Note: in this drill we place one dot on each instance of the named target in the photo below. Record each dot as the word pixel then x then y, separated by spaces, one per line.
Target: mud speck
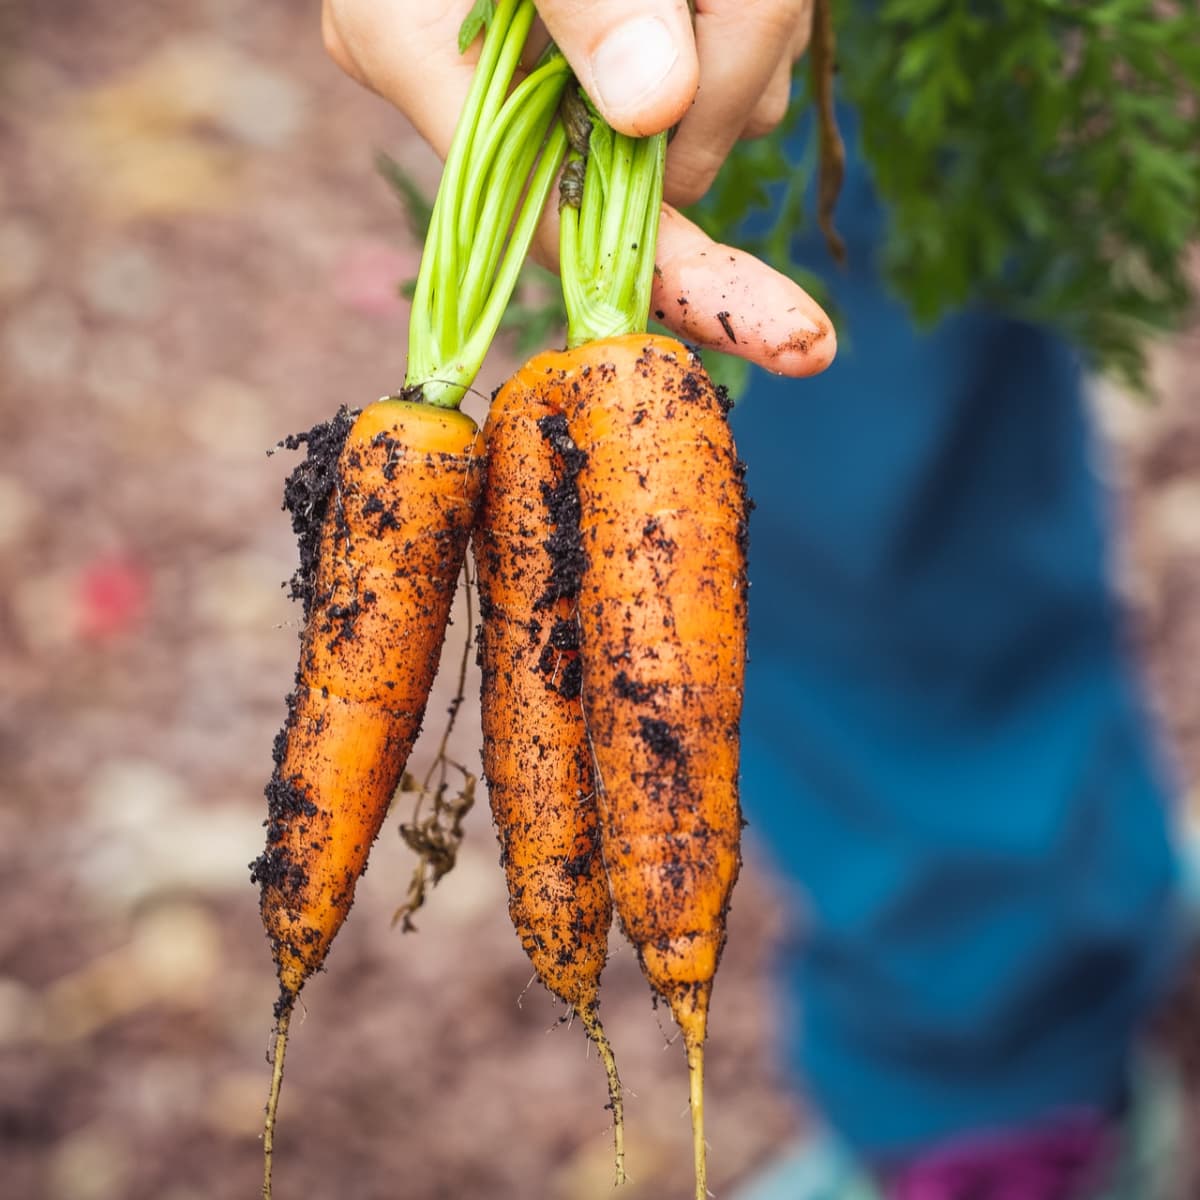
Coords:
pixel 307 494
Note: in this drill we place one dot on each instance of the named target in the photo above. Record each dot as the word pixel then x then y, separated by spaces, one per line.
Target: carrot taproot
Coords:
pixel 536 757
pixel 391 546
pixel 662 614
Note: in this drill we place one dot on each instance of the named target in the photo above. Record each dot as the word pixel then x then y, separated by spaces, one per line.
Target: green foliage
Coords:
pixel 475 22
pixel 1040 156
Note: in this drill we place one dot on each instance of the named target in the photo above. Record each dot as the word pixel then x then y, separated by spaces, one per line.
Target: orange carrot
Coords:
pixel 387 559
pixel 662 611
pixel 535 752
pixel 391 549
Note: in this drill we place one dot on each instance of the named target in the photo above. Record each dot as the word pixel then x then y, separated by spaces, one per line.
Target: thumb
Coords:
pixel 636 59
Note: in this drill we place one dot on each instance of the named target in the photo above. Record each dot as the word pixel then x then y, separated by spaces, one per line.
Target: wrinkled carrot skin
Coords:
pixel 536 756
pixel 392 547
pixel 535 752
pixel 662 609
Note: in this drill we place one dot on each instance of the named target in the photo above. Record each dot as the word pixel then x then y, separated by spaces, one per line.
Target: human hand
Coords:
pixel 645 69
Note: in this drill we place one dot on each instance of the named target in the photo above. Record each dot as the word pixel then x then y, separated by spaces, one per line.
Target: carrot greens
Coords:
pixel 610 203
pixel 501 167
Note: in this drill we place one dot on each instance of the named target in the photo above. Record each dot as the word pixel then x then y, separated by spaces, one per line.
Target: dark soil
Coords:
pixel 308 492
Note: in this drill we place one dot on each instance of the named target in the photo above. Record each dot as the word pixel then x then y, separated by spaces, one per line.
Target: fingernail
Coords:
pixel 632 63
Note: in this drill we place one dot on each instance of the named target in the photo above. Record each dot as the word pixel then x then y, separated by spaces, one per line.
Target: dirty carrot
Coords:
pixel 391 547
pixel 662 596
pixel 536 756
pixel 662 616
pixel 384 505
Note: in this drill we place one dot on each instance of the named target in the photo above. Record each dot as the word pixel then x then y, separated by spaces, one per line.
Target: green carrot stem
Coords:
pixel 609 233
pixel 516 108
pixel 488 205
pixel 540 186
pixel 595 192
pixel 618 222
pixel 508 32
pixel 421 330
pixel 652 172
pixel 499 179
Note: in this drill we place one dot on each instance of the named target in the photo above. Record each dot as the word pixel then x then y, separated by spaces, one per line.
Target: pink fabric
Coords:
pixel 1058 1161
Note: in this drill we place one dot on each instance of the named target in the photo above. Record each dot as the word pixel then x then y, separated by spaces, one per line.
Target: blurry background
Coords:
pixel 197 258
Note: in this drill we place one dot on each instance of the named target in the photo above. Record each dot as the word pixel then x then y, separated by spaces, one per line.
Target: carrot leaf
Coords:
pixel 475 22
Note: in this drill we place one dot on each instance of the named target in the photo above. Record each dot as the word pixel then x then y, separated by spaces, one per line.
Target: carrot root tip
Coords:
pixel 282 1021
pixel 616 1100
pixel 695 1061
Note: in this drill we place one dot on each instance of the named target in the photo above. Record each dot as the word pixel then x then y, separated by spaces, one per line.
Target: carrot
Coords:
pixel 394 517
pixel 535 750
pixel 662 613
pixel 662 600
pixel 391 549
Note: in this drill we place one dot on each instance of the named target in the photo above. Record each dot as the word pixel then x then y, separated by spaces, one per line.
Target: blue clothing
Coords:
pixel 943 742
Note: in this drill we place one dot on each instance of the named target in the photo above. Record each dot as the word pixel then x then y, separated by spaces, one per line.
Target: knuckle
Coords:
pixel 689 180
pixel 331 37
pixel 768 113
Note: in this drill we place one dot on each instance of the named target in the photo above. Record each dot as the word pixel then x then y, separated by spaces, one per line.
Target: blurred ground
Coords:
pixel 196 258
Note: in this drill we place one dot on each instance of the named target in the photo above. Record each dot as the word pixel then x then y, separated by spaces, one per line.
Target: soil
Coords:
pixel 196 257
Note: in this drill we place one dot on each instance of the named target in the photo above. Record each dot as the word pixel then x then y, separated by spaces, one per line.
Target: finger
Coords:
pixel 378 44
pixel 636 59
pixel 772 105
pixel 705 291
pixel 741 44
pixel 803 33
pixel 723 298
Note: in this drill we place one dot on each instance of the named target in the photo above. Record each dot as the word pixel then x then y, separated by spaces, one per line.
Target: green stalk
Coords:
pixel 487 208
pixel 524 122
pixel 508 31
pixel 540 187
pixel 645 199
pixel 609 231
pixel 421 328
pixel 517 108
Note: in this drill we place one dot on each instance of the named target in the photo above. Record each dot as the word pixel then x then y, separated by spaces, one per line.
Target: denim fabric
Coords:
pixel 944 747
